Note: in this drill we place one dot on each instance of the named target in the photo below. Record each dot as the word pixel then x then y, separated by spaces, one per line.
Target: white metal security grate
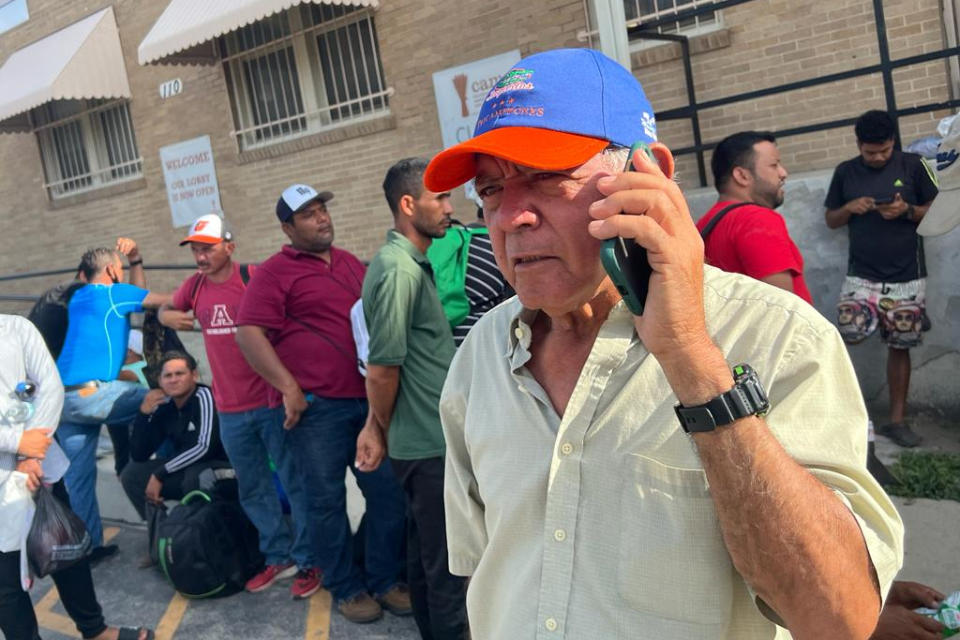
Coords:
pixel 640 11
pixel 307 69
pixel 86 145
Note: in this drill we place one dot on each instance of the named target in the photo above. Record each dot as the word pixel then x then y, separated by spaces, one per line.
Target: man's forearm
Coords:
pixel 260 354
pixel 138 276
pixel 382 383
pixel 837 217
pixel 791 539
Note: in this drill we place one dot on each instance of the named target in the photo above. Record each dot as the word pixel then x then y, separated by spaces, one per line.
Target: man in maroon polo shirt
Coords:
pixel 294 330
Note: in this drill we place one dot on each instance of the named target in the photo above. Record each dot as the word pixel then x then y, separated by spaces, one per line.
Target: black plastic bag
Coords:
pixel 58 538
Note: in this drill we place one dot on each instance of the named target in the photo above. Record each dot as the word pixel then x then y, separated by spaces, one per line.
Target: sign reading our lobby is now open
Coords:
pixel 191 180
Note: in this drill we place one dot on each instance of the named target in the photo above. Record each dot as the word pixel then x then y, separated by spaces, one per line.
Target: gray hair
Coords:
pixel 94 261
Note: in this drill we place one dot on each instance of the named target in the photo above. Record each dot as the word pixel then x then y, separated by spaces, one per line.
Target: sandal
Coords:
pixel 129 633
pixel 901 433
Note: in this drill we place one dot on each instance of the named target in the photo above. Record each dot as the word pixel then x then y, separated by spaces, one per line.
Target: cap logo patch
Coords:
pixel 649 125
pixel 199 225
pixel 516 80
pixel 303 191
pixel 946 158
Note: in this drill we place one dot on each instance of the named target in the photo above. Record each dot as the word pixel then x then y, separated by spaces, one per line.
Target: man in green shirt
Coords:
pixel 411 346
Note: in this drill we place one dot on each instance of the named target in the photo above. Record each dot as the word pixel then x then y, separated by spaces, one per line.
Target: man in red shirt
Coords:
pixel 751 238
pixel 294 329
pixel 250 436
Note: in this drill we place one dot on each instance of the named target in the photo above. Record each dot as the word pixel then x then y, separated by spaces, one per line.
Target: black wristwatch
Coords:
pixel 747 398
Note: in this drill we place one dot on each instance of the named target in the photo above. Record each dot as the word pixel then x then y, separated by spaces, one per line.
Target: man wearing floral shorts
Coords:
pixel 881 196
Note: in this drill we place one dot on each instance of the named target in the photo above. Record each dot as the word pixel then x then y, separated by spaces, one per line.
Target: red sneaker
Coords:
pixel 305 584
pixel 270 574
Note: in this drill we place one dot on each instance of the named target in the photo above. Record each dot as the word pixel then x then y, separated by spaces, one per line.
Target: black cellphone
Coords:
pixel 883 200
pixel 625 261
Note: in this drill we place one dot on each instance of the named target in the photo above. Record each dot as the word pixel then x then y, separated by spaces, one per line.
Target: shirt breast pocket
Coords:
pixel 672 560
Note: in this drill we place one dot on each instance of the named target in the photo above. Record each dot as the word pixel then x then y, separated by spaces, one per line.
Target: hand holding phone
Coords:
pixel 625 261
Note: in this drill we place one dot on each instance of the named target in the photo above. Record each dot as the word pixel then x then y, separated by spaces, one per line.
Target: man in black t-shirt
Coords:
pixel 881 196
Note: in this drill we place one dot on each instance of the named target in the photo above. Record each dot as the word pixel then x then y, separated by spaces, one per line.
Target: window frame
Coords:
pixel 92 139
pixel 637 43
pixel 299 40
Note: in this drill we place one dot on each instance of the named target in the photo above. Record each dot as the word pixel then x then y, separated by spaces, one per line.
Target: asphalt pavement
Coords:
pixel 133 597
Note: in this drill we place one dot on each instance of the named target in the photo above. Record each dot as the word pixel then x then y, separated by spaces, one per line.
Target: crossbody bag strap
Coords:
pixel 719 216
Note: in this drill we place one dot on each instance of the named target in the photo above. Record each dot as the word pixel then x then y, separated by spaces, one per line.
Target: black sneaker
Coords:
pixel 901 433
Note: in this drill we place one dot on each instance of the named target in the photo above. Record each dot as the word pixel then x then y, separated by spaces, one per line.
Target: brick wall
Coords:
pixel 766 43
pixel 417 38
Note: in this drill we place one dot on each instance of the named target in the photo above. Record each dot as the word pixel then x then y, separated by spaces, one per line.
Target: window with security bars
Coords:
pixel 640 11
pixel 86 145
pixel 301 71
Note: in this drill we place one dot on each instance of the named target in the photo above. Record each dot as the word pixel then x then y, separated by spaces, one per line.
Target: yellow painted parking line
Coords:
pixel 318 616
pixel 172 618
pixel 53 621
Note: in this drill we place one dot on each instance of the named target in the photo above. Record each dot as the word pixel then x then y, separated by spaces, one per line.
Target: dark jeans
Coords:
pixel 136 475
pixel 323 446
pixel 439 597
pixel 75 585
pixel 120 437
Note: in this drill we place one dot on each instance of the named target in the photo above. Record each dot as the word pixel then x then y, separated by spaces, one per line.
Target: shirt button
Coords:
pixel 550 624
pixel 518 332
pixel 559 535
pixel 566 448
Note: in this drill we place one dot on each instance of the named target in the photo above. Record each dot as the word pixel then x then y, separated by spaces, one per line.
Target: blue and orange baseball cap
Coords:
pixel 552 110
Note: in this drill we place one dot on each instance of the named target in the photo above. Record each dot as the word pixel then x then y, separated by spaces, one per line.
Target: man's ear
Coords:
pixel 406 205
pixel 287 228
pixel 664 158
pixel 741 176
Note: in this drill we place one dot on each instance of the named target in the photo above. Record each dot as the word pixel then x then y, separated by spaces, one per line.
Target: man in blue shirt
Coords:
pixel 93 352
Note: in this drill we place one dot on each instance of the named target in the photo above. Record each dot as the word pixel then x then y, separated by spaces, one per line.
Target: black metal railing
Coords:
pixel 691 111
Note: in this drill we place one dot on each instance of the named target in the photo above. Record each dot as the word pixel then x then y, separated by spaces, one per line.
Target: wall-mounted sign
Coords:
pixel 460 91
pixel 191 179
pixel 171 88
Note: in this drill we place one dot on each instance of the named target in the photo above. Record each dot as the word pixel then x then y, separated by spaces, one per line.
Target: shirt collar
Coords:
pixel 400 241
pixel 292 252
pixel 618 325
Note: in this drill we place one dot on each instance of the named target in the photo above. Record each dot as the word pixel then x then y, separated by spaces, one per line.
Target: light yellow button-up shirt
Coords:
pixel 599 524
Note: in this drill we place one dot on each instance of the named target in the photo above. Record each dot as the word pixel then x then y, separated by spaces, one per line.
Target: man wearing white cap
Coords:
pixel 250 436
pixel 295 330
pixel 611 470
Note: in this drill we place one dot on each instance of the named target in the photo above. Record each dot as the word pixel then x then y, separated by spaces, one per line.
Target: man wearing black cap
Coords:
pixel 613 473
pixel 294 330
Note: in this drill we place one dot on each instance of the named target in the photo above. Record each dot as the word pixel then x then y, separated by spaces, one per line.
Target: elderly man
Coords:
pixel 577 502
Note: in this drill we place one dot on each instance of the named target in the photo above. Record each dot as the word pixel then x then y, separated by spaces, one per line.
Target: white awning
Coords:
pixel 185 31
pixel 83 60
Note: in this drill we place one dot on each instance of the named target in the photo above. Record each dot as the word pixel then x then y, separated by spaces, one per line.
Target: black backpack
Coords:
pixel 207 548
pixel 49 314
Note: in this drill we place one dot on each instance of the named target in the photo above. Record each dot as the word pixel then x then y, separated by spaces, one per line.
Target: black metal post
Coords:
pixel 886 68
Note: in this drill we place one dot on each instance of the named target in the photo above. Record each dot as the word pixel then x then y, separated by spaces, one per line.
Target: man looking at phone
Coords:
pixel 881 196
pixel 574 498
pixel 749 237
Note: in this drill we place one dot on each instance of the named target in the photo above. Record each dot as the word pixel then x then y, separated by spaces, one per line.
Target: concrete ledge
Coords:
pixel 352 129
pixel 667 51
pixel 104 192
